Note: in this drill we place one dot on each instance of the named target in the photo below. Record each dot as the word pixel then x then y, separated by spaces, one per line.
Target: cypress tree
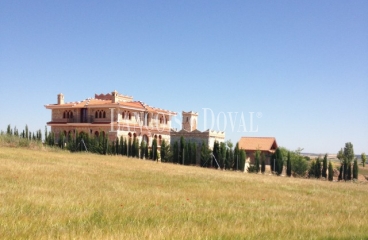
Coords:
pixel 324 166
pixel 117 144
pixel 194 153
pixel 349 171
pixel 318 168
pixel 154 150
pixel 46 134
pixel 215 152
pixel 181 150
pixel 330 171
pixel 176 152
pixel 204 155
pixel 132 148
pixel 257 160
pixel 242 157
pixel 8 130
pixel 263 163
pixel 146 152
pixel 236 157
pixel 142 148
pixel 279 161
pixel 121 147
pixel 113 149
pixel 129 147
pixel 355 169
pixel 340 173
pixel 26 131
pixel 163 151
pixel 288 165
pixel 137 148
pixel 187 153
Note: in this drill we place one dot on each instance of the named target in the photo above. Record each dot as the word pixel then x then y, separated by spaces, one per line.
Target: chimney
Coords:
pixel 114 96
pixel 60 99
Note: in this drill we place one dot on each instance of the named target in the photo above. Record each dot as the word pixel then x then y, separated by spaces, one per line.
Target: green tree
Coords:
pixel 194 153
pixel 257 159
pixel 236 157
pixel 9 130
pixel 154 150
pixel 317 172
pixel 242 157
pixel 263 163
pixel 146 152
pixel 205 155
pixel 26 131
pixel 364 159
pixel 133 147
pixel 176 156
pixel 121 147
pixel 163 151
pixel 222 156
pixel 349 157
pixel 117 145
pixel 312 169
pixel 324 166
pixel 355 169
pixel 61 140
pixel 299 165
pixel 181 150
pixel 136 142
pixel 279 161
pixel 330 171
pixel 142 148
pixel 288 165
pixel 46 134
pixel 216 153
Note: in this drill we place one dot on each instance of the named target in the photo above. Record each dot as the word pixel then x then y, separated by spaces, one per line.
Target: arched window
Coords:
pixel 71 114
pixel 129 115
pixel 96 114
pixel 159 140
pixel 123 115
pixel 99 114
pixel 97 134
pixel 64 115
pixel 104 114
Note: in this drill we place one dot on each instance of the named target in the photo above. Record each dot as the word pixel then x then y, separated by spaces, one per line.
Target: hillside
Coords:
pixel 56 194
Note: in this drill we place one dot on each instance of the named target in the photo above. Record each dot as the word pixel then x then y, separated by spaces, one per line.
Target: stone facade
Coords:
pixel 190 132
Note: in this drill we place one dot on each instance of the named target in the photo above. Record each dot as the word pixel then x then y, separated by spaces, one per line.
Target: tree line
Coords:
pixel 223 155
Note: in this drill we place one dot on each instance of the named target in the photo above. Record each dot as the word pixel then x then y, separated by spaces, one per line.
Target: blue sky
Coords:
pixel 302 64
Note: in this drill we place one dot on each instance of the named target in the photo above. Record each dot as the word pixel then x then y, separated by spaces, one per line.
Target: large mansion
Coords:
pixel 113 115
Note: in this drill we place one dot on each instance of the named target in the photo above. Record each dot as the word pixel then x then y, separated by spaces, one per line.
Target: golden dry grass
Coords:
pixel 62 195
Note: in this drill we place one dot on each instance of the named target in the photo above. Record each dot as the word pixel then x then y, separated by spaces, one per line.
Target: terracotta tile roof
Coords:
pixel 101 100
pixel 258 143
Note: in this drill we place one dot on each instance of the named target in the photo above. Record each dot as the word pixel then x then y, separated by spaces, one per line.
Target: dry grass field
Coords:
pixel 57 194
